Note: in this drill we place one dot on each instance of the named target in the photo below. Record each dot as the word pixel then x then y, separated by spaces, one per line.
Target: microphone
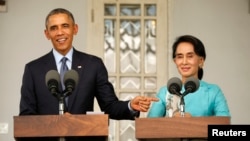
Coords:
pixel 52 80
pixel 70 80
pixel 174 85
pixel 191 85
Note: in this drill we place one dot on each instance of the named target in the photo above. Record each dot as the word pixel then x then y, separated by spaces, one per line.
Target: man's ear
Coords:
pixel 75 29
pixel 46 34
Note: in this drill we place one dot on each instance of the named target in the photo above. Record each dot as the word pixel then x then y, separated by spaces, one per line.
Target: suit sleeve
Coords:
pixel 28 102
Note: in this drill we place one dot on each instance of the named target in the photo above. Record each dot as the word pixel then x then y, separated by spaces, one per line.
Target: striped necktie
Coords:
pixel 63 70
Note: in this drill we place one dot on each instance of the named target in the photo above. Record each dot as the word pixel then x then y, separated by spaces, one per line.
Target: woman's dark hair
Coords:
pixel 59 11
pixel 199 48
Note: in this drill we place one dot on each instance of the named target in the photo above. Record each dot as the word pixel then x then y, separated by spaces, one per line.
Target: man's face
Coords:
pixel 60 30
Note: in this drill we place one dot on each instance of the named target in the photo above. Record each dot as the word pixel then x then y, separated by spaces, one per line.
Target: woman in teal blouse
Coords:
pixel 189 56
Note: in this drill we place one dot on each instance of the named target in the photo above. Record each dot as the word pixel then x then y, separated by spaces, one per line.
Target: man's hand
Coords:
pixel 142 103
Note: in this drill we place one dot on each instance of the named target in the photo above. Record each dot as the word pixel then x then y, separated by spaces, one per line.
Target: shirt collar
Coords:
pixel 59 56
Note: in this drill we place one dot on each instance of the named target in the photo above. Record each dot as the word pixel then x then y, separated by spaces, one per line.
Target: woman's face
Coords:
pixel 187 61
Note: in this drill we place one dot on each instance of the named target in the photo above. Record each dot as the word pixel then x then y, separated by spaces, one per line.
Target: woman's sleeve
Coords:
pixel 158 109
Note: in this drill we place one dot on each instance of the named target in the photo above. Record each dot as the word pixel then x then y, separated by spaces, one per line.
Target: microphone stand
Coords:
pixel 61 98
pixel 182 106
pixel 61 112
pixel 182 103
pixel 61 105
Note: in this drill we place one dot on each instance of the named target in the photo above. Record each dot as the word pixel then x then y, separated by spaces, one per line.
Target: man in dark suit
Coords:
pixel 36 99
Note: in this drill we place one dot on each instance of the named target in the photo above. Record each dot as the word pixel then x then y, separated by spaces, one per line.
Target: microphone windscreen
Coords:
pixel 52 75
pixel 192 84
pixel 174 85
pixel 71 75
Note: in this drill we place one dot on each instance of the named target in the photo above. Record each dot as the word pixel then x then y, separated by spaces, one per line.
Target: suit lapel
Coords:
pixel 77 65
pixel 49 62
